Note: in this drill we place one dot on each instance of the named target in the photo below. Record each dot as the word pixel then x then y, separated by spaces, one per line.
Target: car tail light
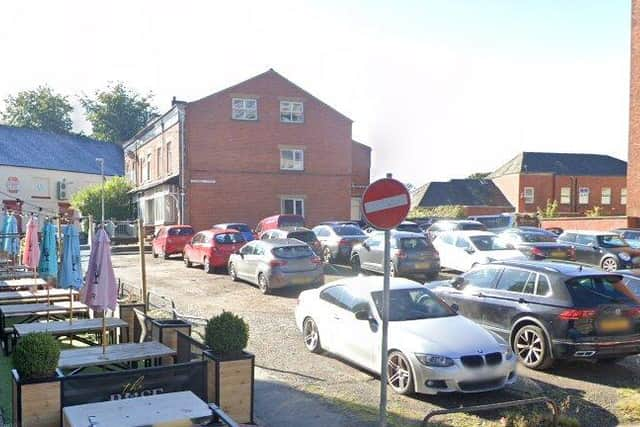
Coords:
pixel 401 254
pixel 277 263
pixel 577 314
pixel 343 242
pixel 572 253
pixel 634 312
pixel 316 260
pixel 537 252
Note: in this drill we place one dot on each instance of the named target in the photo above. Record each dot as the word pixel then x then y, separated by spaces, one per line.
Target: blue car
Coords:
pixel 242 228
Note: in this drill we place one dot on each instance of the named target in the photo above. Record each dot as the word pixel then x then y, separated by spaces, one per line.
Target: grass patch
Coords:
pixel 5 388
pixel 628 405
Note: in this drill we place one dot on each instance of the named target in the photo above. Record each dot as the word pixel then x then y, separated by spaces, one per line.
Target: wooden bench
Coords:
pixel 66 328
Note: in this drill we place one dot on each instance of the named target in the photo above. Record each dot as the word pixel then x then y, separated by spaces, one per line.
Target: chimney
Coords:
pixel 175 101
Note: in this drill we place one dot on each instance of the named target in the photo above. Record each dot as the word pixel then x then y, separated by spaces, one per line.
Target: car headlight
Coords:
pixel 507 351
pixel 624 256
pixel 434 360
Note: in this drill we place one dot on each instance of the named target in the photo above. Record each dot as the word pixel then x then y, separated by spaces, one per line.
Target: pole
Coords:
pixel 104 332
pixel 101 161
pixel 385 333
pixel 143 271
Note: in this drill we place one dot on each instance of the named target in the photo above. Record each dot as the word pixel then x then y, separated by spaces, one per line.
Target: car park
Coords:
pixel 333 223
pixel 279 221
pixel 337 241
pixel 537 243
pixel 504 221
pixel 630 235
pixel 343 318
pixel 461 250
pixel 600 248
pixel 412 255
pixel 549 310
pixel 239 226
pixel 170 240
pixel 301 233
pixel 212 248
pixel 453 225
pixel 276 263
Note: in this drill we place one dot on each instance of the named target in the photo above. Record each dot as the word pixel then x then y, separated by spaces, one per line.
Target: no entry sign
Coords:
pixel 385 203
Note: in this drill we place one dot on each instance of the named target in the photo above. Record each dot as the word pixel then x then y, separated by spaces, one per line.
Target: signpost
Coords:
pixel 385 204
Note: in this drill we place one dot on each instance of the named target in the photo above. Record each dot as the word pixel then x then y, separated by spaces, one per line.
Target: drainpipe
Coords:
pixel 182 163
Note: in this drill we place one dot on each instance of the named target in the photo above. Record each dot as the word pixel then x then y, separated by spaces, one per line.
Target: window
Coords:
pixel 583 195
pixel 340 296
pixel 147 168
pixel 585 239
pixel 514 280
pixel 321 231
pixel 565 195
pixel 606 196
pixel 292 206
pixel 229 238
pixel 483 277
pixel 623 196
pixel 291 112
pixel 529 195
pixel 462 242
pixel 169 159
pixel 543 287
pixel 591 292
pixel 291 159
pixel 244 109
pixel 158 162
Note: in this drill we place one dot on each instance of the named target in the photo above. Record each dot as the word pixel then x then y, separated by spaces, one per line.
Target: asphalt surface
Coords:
pixel 328 391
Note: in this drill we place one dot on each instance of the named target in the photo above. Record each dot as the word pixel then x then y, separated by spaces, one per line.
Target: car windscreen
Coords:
pixel 182 231
pixel 536 237
pixel 592 291
pixel 292 252
pixel 291 221
pixel 412 228
pixel 498 221
pixel 412 304
pixel 612 241
pixel 414 244
pixel 488 243
pixel 229 238
pixel 472 226
pixel 348 230
pixel 243 228
pixel 305 236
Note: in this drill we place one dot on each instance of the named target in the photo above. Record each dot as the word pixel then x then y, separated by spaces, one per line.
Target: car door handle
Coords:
pixel 522 301
pixel 478 294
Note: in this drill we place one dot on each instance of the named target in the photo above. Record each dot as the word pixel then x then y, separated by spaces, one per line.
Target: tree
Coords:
pixel 549 211
pixel 116 113
pixel 116 199
pixel 40 108
pixel 479 175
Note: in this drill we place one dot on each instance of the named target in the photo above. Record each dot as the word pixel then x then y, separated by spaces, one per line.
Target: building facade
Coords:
pixel 578 182
pixel 259 148
pixel 633 174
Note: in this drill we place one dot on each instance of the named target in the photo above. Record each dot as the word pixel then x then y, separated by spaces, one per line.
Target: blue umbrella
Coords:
pixel 10 243
pixel 49 252
pixel 71 268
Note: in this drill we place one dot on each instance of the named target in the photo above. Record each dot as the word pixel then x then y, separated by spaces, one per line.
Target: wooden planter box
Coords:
pixel 127 314
pixel 165 331
pixel 36 402
pixel 230 384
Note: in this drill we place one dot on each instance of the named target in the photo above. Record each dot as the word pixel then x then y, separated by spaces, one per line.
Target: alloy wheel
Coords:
pixel 232 272
pixel 355 265
pixel 392 269
pixel 529 347
pixel 326 255
pixel 206 265
pixel 609 264
pixel 399 373
pixel 187 263
pixel 263 284
pixel 311 335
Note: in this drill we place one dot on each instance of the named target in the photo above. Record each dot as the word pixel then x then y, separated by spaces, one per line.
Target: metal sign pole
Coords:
pixel 385 333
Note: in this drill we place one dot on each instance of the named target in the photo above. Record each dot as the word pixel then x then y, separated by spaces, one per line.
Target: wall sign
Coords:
pixel 13 184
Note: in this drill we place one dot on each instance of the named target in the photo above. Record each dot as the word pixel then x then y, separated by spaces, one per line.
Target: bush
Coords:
pixel 226 333
pixel 549 211
pixel 117 203
pixel 445 211
pixel 596 211
pixel 36 356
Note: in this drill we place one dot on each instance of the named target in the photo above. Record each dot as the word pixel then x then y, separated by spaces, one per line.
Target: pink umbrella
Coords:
pixel 31 255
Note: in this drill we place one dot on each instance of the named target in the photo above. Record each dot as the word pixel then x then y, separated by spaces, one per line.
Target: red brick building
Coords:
pixel 259 148
pixel 578 182
pixel 633 175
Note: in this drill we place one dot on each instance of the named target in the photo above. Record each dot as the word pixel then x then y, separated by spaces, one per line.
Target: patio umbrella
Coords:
pixel 70 276
pixel 10 242
pixel 48 252
pixel 100 291
pixel 31 254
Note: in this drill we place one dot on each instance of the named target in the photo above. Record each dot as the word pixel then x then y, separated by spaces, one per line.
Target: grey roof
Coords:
pixel 568 164
pixel 31 148
pixel 464 192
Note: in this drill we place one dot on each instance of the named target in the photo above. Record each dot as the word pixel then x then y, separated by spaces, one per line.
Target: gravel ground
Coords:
pixel 588 391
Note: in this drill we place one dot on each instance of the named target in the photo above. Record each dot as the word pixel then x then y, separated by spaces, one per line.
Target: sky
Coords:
pixel 439 89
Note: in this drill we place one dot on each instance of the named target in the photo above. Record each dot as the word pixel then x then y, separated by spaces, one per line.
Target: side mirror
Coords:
pixel 362 315
pixel 457 282
pixel 510 246
pixel 455 307
pixel 365 245
pixel 469 250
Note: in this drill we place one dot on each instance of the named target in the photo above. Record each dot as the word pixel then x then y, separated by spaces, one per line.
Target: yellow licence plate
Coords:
pixel 422 265
pixel 615 325
pixel 303 280
pixel 558 254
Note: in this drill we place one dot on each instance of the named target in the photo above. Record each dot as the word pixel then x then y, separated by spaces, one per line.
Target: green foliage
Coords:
pixel 116 199
pixel 40 108
pixel 538 420
pixel 226 333
pixel 117 112
pixel 36 356
pixel 479 175
pixel 596 211
pixel 549 211
pixel 446 211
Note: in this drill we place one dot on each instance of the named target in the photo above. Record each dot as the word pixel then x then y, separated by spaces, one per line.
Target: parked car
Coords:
pixel 504 221
pixel 604 249
pixel 212 248
pixel 241 227
pixel 452 225
pixel 412 254
pixel 301 233
pixel 549 310
pixel 170 240
pixel 630 235
pixel 343 317
pixel 278 221
pixel 337 241
pixel 409 226
pixel 276 263
pixel 332 223
pixel 537 243
pixel 631 278
pixel 461 250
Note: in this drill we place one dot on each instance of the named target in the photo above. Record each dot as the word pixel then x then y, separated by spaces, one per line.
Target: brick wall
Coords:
pixel 361 160
pixel 168 143
pixel 633 170
pixel 586 223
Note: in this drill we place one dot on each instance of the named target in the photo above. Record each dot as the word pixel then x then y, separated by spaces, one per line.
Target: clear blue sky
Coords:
pixel 439 89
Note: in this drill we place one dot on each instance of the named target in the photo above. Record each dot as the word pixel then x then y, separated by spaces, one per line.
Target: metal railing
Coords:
pixel 188 348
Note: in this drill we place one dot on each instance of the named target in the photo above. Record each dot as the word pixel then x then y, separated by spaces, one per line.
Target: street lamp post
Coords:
pixel 100 161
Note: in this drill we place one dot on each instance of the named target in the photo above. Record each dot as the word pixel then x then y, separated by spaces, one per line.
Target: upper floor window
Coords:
pixel 147 167
pixel 606 196
pixel 565 195
pixel 291 159
pixel 169 158
pixel 291 112
pixel 244 109
pixel 623 196
pixel 158 162
pixel 529 195
pixel 583 195
pixel 292 206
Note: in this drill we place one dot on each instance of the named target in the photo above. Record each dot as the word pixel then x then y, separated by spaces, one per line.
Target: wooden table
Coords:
pixel 29 283
pixel 18 297
pixel 64 328
pixel 118 355
pixel 181 408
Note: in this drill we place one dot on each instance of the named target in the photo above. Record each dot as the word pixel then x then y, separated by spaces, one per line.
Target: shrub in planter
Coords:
pixel 226 333
pixel 36 356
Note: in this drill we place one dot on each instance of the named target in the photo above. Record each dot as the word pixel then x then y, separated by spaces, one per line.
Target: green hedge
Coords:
pixel 226 333
pixel 36 356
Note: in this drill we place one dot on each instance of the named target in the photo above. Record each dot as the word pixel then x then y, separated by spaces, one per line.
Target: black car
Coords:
pixel 549 310
pixel 537 243
pixel 603 249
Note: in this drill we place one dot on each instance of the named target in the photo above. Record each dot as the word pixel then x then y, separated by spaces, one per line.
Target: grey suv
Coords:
pixel 412 254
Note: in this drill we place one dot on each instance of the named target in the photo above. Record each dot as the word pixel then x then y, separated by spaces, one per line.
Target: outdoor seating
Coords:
pixel 41 295
pixel 71 329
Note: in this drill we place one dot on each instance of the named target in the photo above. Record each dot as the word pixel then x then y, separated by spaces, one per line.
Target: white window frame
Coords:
pixel 565 195
pixel 240 110
pixel 529 195
pixel 169 158
pixel 159 162
pixel 623 196
pixel 291 112
pixel 292 164
pixel 583 195
pixel 295 201
pixel 605 197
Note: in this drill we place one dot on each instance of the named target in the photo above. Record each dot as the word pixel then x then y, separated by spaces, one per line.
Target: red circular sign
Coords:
pixel 385 203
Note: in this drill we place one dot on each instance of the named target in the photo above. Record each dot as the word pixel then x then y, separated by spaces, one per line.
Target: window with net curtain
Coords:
pixel 292 159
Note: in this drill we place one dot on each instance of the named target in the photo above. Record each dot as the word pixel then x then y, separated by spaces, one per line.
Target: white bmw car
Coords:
pixel 431 348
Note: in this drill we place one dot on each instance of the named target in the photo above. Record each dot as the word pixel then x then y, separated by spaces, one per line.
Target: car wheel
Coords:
pixel 399 376
pixel 311 335
pixel 263 284
pixel 206 266
pixel 232 272
pixel 355 265
pixel 530 344
pixel 326 255
pixel 392 270
pixel 187 263
pixel 609 264
pixel 153 252
pixel 164 255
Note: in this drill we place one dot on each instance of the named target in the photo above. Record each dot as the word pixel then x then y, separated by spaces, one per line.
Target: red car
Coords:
pixel 170 240
pixel 278 221
pixel 212 248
